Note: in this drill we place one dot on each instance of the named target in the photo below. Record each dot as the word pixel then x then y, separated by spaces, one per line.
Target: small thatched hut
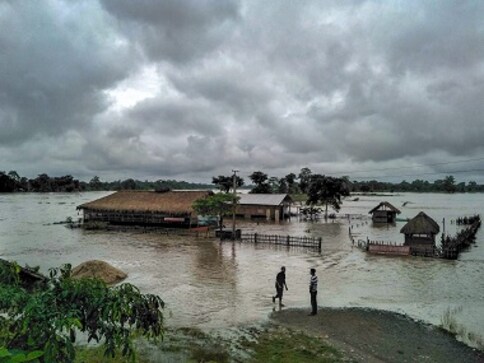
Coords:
pixel 420 233
pixel 166 208
pixel 384 213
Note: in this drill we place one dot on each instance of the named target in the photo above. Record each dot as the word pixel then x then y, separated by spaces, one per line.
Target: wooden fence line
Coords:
pixel 290 241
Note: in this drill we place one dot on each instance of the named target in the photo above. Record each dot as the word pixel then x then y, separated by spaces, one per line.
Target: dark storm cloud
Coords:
pixel 172 29
pixel 56 59
pixel 196 88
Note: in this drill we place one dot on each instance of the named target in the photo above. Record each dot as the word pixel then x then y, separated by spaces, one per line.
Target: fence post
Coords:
pixel 288 239
pixel 255 237
pixel 319 243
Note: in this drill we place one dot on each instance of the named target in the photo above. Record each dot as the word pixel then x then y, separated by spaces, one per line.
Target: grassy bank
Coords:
pixel 272 343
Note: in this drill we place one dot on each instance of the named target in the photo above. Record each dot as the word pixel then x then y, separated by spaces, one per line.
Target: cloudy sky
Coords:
pixel 187 89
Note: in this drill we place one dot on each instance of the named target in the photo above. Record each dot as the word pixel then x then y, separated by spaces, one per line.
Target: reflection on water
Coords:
pixel 211 284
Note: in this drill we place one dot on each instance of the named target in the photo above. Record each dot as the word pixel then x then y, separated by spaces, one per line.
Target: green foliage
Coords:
pixel 17 356
pixel 47 319
pixel 219 204
pixel 327 191
pixel 262 186
pixel 226 183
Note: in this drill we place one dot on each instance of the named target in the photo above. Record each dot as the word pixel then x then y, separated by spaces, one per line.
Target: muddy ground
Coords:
pixel 368 335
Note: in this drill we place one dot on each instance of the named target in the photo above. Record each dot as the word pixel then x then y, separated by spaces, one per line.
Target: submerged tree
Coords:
pixel 219 204
pixel 327 191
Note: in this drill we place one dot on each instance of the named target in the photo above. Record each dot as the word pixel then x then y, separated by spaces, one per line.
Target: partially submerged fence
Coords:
pixel 290 241
pixel 452 246
pixel 384 248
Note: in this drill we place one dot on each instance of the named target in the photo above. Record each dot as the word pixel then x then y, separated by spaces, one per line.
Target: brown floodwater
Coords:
pixel 209 284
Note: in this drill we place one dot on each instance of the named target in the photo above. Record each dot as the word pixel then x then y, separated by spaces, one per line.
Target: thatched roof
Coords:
pixel 421 224
pixel 387 206
pixel 100 270
pixel 174 202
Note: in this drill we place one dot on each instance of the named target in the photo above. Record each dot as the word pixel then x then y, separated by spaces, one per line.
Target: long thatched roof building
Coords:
pixel 144 207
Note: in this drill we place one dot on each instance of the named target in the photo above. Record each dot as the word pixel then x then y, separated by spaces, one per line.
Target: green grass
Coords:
pixel 191 345
pixel 286 346
pixel 96 355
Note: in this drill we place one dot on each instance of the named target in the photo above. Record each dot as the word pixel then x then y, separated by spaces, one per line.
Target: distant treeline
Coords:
pixel 446 185
pixel 43 183
pixel 301 183
pixel 261 183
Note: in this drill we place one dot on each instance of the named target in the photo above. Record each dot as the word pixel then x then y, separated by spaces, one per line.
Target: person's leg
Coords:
pixel 279 294
pixel 314 303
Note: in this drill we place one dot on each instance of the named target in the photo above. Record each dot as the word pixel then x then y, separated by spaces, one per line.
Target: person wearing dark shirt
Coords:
pixel 313 291
pixel 280 284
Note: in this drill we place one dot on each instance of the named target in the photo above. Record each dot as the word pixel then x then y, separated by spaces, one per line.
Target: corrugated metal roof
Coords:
pixel 263 199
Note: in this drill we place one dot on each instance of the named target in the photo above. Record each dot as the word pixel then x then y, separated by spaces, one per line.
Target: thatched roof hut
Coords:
pixel 384 213
pixel 385 206
pixel 144 207
pixel 420 233
pixel 421 224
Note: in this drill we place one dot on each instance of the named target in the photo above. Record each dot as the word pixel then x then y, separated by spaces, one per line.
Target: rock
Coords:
pixel 98 269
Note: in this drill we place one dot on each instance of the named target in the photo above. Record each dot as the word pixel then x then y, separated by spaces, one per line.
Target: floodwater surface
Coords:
pixel 212 284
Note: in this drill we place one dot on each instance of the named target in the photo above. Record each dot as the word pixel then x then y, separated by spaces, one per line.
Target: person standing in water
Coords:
pixel 313 291
pixel 280 284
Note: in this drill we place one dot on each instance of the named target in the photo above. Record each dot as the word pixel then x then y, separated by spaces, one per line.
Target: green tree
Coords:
pixel 292 186
pixel 449 184
pixel 304 179
pixel 219 204
pixel 472 186
pixel 95 183
pixel 226 183
pixel 7 184
pixel 327 191
pixel 43 321
pixel 260 180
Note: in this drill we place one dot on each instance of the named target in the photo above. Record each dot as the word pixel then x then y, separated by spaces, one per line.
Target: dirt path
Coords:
pixel 380 336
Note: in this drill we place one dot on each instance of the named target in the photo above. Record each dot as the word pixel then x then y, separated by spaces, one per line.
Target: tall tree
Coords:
pixel 327 191
pixel 292 186
pixel 260 180
pixel 7 184
pixel 226 183
pixel 95 183
pixel 449 184
pixel 304 179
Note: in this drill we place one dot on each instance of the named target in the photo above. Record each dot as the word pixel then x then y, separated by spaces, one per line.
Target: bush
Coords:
pixel 45 319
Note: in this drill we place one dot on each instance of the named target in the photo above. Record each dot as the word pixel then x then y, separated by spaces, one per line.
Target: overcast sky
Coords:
pixel 188 89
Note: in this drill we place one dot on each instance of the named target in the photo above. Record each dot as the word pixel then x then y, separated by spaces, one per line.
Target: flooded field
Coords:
pixel 210 284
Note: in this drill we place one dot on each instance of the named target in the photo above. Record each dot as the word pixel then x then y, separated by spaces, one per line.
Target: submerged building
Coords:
pixel 146 208
pixel 420 234
pixel 265 206
pixel 384 213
